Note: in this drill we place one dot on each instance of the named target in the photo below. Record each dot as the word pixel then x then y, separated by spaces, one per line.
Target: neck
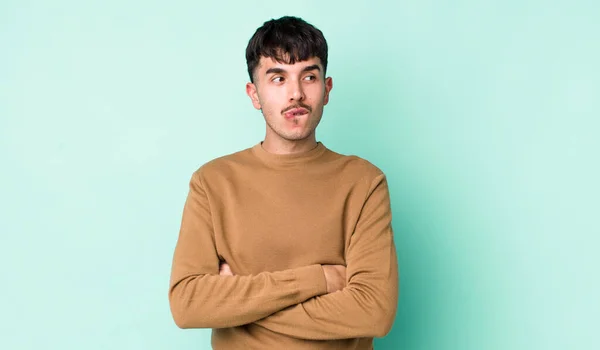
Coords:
pixel 281 146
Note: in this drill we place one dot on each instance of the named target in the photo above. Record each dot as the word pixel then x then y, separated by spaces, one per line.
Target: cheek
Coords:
pixel 270 98
pixel 267 105
pixel 270 107
pixel 318 92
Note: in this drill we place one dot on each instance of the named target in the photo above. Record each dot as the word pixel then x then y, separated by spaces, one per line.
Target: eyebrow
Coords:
pixel 281 70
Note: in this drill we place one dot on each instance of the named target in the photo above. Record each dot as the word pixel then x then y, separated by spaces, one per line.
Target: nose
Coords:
pixel 296 92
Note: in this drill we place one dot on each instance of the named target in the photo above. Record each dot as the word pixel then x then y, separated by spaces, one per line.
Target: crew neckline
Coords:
pixel 288 159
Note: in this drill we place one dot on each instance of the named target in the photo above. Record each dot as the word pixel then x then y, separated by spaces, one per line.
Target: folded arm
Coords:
pixel 200 298
pixel 366 307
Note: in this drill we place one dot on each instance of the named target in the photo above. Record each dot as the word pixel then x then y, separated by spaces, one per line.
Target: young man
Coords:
pixel 287 244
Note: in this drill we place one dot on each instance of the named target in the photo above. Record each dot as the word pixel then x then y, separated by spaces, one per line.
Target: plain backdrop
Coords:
pixel 483 114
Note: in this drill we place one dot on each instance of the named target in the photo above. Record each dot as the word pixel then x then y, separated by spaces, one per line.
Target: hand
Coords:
pixel 225 270
pixel 335 276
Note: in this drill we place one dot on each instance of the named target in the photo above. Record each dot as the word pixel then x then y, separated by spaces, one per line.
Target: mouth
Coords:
pixel 296 112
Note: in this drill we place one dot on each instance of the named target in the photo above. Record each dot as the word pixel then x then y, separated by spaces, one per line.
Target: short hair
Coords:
pixel 286 40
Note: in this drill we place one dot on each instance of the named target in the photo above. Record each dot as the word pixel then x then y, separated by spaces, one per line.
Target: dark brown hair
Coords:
pixel 286 40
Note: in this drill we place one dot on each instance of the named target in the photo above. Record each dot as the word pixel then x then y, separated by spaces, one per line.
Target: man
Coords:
pixel 287 244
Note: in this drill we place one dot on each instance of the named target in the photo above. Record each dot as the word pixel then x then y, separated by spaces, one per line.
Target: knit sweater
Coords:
pixel 276 219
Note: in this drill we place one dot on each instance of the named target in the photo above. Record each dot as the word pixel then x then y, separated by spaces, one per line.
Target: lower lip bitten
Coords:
pixel 292 116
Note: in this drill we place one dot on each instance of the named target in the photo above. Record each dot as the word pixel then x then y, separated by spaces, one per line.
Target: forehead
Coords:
pixel 266 63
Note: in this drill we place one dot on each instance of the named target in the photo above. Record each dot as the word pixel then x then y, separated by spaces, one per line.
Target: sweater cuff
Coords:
pixel 311 281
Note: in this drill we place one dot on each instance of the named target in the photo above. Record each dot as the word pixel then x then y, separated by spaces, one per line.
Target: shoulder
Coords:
pixel 222 166
pixel 357 167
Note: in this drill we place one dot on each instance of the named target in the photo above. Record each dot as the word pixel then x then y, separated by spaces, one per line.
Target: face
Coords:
pixel 290 96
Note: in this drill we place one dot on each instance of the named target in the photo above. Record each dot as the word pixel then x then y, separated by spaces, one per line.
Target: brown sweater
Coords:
pixel 275 219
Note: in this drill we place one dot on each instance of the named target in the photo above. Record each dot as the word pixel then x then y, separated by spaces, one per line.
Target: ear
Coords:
pixel 328 87
pixel 253 94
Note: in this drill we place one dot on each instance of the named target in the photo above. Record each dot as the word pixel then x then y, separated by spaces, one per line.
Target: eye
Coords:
pixel 310 77
pixel 277 79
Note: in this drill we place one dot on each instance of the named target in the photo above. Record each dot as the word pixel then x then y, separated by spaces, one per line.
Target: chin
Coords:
pixel 297 137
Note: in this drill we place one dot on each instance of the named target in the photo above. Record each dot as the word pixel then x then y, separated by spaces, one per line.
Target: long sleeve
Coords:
pixel 200 298
pixel 366 307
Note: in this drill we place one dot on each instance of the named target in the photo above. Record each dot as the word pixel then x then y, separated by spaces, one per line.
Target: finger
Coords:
pixel 225 270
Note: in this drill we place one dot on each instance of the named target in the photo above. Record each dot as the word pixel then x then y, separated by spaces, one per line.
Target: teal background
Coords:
pixel 483 114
